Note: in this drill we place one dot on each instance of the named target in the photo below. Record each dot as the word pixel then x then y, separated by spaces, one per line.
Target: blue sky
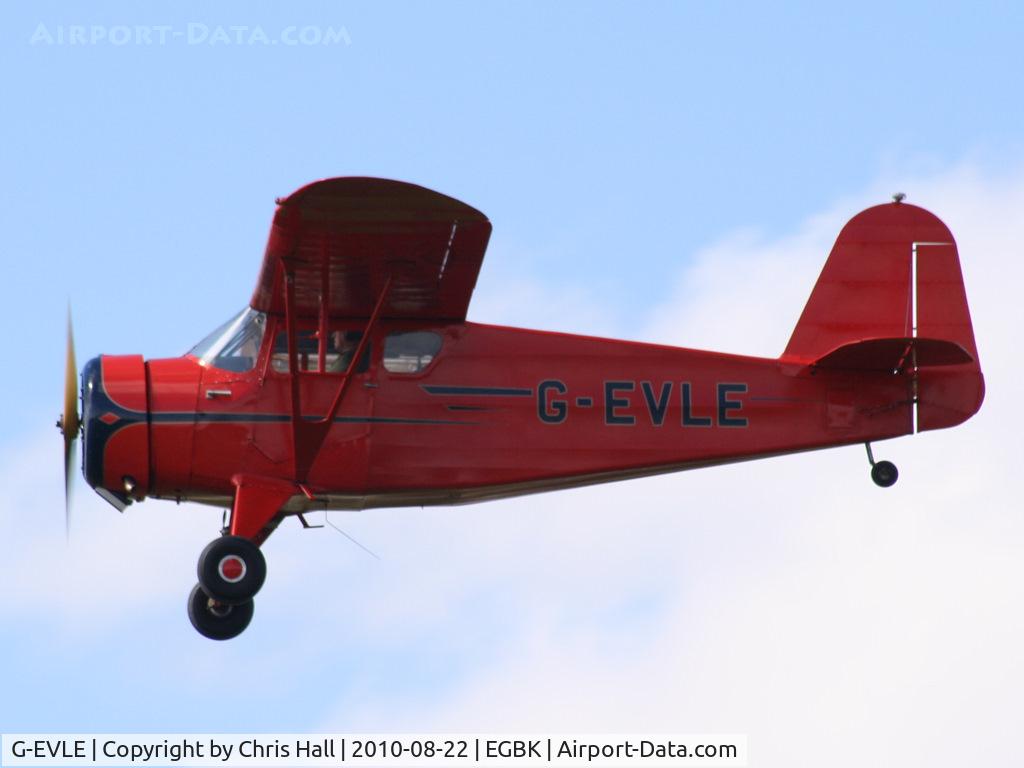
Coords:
pixel 641 163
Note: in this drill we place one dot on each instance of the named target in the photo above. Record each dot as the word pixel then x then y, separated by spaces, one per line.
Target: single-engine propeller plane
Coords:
pixel 353 380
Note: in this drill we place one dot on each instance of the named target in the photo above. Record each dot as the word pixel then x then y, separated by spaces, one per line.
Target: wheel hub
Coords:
pixel 231 568
pixel 218 609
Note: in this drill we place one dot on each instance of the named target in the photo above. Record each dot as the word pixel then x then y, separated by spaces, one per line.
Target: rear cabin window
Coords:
pixel 410 351
pixel 341 346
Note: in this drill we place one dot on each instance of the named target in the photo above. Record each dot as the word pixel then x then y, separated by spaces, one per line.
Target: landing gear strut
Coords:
pixel 232 569
pixel 884 473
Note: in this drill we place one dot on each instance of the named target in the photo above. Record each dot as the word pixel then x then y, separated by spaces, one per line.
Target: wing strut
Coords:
pixel 308 432
pixel 364 342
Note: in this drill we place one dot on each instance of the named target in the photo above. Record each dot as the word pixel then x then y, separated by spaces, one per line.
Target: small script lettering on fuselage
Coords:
pixel 618 401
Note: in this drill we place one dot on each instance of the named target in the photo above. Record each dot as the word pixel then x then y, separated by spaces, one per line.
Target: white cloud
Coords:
pixel 112 565
pixel 790 599
pixel 508 294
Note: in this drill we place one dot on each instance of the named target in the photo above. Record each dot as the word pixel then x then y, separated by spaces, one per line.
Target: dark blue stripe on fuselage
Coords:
pixel 186 417
pixel 439 389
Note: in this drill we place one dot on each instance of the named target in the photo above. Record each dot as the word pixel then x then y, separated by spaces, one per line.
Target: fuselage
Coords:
pixel 490 412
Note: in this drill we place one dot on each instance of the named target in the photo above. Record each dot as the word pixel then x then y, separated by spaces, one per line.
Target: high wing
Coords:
pixel 344 239
pixel 366 249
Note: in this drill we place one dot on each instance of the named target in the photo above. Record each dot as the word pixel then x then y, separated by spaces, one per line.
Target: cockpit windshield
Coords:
pixel 235 345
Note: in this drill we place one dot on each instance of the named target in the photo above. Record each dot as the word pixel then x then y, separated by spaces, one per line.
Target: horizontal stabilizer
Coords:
pixel 893 355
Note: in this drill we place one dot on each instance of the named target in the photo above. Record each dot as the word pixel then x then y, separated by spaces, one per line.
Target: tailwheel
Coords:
pixel 884 473
pixel 216 620
pixel 231 570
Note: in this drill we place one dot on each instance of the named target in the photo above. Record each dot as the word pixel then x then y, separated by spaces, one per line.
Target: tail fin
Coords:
pixel 891 298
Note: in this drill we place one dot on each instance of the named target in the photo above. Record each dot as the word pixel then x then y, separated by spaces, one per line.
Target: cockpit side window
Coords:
pixel 235 345
pixel 341 346
pixel 410 351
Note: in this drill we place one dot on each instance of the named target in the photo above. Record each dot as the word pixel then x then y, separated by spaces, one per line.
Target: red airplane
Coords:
pixel 353 380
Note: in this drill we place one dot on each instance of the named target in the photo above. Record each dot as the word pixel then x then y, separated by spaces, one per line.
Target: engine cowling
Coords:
pixel 116 427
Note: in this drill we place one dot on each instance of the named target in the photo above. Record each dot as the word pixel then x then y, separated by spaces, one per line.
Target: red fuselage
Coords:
pixel 497 412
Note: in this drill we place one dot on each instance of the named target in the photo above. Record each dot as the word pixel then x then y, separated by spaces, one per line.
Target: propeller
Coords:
pixel 69 423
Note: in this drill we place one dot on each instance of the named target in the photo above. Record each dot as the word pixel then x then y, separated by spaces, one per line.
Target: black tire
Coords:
pixel 884 473
pixel 234 550
pixel 217 621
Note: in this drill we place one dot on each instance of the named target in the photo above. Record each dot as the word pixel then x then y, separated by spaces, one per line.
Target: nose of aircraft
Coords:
pixel 115 439
pixel 92 387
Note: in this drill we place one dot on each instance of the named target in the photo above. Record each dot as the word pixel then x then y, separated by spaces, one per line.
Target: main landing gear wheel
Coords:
pixel 216 620
pixel 884 473
pixel 231 570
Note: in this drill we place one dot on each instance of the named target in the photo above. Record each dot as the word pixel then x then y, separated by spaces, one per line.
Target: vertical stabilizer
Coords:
pixel 893 278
